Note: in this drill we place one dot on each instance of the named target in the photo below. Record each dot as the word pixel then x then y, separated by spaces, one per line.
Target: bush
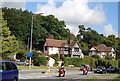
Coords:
pixel 106 63
pixel 40 60
pixel 96 56
pixel 90 61
pixel 76 61
pixel 56 57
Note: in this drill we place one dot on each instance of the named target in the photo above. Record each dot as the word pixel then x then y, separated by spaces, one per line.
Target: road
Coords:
pixel 53 75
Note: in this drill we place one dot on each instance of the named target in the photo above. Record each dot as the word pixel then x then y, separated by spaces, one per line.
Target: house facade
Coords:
pixel 62 47
pixel 103 51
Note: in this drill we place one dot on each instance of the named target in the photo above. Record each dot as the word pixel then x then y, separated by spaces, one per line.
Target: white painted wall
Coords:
pixel 93 49
pixel 53 50
pixel 51 62
pixel 76 45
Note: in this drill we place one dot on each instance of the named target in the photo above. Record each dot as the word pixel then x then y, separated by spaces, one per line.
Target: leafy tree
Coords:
pixel 19 23
pixel 84 48
pixel 9 42
pixel 90 37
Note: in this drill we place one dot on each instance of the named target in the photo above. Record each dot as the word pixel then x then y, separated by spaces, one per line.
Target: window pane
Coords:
pixel 8 66
pixel 13 66
pixel 76 49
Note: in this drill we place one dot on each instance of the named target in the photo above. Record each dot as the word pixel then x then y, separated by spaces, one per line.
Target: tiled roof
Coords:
pixel 103 48
pixel 58 43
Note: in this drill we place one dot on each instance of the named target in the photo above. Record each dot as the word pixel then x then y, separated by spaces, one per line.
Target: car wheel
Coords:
pixel 105 72
pixel 15 79
pixel 63 74
pixel 59 75
pixel 91 69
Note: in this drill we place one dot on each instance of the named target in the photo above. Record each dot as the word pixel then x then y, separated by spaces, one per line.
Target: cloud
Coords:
pixel 108 30
pixel 14 4
pixel 74 12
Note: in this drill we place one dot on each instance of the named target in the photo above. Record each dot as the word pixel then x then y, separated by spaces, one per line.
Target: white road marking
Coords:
pixel 79 77
pixel 44 76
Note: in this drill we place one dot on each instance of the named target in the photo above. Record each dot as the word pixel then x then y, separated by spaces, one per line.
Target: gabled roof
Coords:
pixel 59 43
pixel 102 48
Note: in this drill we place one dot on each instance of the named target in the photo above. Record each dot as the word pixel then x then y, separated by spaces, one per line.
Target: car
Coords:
pixel 9 71
pixel 113 69
pixel 100 69
pixel 22 63
pixel 82 66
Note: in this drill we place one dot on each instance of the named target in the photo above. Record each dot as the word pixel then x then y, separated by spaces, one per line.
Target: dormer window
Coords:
pixel 66 49
pixel 76 49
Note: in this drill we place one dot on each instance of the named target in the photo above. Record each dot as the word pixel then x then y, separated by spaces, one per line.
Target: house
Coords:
pixel 103 51
pixel 61 47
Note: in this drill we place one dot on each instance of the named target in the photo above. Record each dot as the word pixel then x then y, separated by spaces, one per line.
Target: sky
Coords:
pixel 101 16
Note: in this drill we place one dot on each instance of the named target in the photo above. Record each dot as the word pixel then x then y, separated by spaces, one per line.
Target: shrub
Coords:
pixel 96 56
pixel 76 61
pixel 91 61
pixel 40 60
pixel 56 57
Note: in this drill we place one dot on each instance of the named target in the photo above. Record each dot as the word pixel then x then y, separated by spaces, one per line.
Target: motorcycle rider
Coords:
pixel 85 69
pixel 62 70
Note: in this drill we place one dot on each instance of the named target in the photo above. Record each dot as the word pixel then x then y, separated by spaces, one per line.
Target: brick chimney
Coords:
pixel 51 36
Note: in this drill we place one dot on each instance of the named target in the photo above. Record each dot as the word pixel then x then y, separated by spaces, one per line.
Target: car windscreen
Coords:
pixel 112 67
pixel 22 61
pixel 100 67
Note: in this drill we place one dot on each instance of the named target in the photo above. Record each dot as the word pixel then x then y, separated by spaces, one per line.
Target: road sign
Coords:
pixel 29 54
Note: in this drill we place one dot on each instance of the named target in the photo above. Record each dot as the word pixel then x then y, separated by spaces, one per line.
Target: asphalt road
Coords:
pixel 37 75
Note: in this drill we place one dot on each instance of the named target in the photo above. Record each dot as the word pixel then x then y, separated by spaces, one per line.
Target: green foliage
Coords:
pixel 40 60
pixel 76 61
pixel 56 57
pixel 90 37
pixel 84 48
pixel 91 61
pixel 19 23
pixel 106 63
pixel 96 56
pixel 9 42
pixel 118 62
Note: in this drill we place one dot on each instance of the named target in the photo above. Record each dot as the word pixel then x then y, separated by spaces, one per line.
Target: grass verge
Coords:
pixel 33 67
pixel 99 76
pixel 116 78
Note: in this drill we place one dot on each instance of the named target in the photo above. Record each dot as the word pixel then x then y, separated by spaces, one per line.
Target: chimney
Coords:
pixel 51 36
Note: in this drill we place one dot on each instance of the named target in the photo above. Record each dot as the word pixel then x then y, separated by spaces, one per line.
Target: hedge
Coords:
pixel 90 61
pixel 40 60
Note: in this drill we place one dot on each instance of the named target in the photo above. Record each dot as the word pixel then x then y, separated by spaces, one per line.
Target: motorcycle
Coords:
pixel 85 71
pixel 61 72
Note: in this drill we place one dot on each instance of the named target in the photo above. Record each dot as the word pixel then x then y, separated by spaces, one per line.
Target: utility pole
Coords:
pixel 30 53
pixel 69 48
pixel 31 42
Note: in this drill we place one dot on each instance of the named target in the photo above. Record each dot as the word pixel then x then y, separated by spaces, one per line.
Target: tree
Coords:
pixel 84 48
pixel 9 42
pixel 19 23
pixel 90 37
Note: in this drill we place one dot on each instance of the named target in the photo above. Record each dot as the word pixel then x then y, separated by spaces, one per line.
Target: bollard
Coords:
pixel 48 68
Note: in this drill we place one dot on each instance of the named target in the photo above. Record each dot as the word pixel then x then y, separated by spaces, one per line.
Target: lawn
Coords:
pixel 116 78
pixel 98 77
pixel 32 67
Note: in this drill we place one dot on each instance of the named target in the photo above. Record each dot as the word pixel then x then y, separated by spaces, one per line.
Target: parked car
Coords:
pixel 100 69
pixel 22 63
pixel 9 71
pixel 113 69
pixel 82 66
